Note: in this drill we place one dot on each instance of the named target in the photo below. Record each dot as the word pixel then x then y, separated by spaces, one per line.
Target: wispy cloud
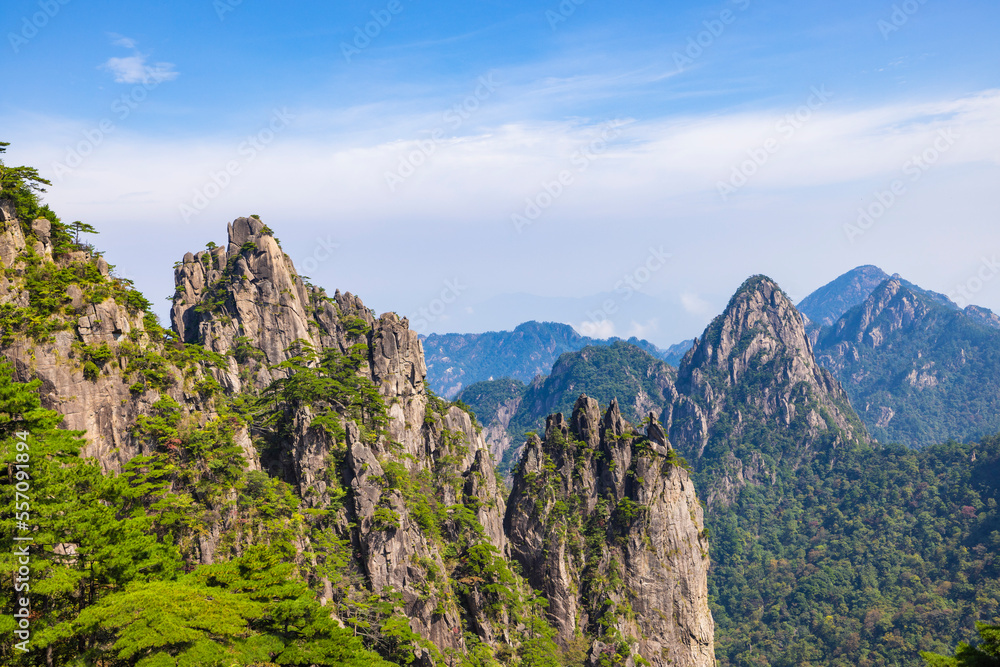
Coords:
pixel 119 40
pixel 134 68
pixel 655 184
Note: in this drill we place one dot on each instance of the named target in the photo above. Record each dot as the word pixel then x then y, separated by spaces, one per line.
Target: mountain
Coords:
pixel 918 371
pixel 826 305
pixel 509 409
pixel 598 509
pixel 455 361
pixel 983 316
pixel 494 403
pixel 826 549
pixel 752 400
pixel 271 482
pixel 673 354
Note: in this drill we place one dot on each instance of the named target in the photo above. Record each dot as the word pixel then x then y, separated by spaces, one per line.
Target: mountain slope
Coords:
pixel 825 551
pixel 639 382
pixel 752 399
pixel 495 402
pixel 826 305
pixel 918 371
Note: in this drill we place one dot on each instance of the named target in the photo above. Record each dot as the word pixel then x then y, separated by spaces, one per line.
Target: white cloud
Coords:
pixel 119 40
pixel 653 173
pixel 695 305
pixel 654 185
pixel 134 69
pixel 645 331
pixel 602 329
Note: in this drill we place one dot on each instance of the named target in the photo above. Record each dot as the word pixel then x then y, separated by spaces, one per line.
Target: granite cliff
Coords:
pixel 398 500
pixel 606 522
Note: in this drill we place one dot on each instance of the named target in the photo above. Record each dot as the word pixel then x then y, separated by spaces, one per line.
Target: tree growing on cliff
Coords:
pixel 21 186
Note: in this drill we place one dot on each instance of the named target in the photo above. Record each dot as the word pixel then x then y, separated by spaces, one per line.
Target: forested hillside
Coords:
pixel 918 371
pixel 863 557
pixel 826 549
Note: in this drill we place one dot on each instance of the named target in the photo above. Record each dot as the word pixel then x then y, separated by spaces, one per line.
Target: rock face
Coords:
pixel 609 528
pixel 247 296
pixel 104 405
pixel 918 369
pixel 497 436
pixel 405 484
pixel 247 299
pixel 754 367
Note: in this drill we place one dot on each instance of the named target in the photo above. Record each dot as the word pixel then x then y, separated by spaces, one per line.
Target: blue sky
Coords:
pixel 463 153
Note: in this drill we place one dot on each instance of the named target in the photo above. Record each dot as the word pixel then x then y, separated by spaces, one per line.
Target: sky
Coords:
pixel 621 167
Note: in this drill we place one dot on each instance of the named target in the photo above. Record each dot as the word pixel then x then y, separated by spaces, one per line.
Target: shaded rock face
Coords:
pixel 755 367
pixel 497 437
pixel 609 528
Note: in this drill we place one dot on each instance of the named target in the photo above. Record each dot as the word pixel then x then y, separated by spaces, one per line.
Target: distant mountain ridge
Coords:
pixel 828 303
pixel 918 371
pixel 801 502
pixel 455 361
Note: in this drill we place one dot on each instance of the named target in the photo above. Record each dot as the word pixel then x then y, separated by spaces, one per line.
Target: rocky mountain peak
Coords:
pixel 586 420
pixel 759 323
pixel 891 306
pixel 828 303
pixel 608 527
pixel 246 290
pixel 754 369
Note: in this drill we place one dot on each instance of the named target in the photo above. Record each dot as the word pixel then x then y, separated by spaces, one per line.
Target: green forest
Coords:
pixel 864 558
